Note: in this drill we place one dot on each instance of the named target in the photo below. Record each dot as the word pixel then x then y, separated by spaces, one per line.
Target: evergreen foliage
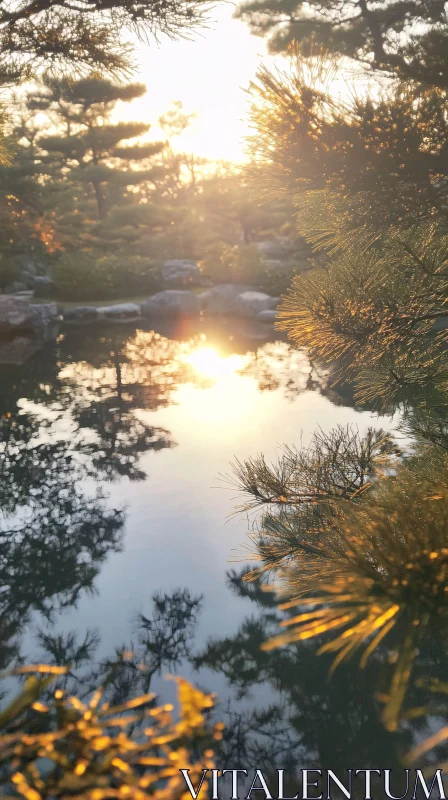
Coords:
pixel 85 36
pixel 377 158
pixel 99 750
pixel 408 41
pixel 353 530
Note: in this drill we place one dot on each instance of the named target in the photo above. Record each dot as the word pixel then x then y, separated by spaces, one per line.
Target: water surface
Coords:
pixel 113 443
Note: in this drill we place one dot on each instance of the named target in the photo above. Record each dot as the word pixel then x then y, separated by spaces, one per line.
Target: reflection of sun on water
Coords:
pixel 211 364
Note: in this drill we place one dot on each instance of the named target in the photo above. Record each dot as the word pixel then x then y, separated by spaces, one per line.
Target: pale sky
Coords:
pixel 208 74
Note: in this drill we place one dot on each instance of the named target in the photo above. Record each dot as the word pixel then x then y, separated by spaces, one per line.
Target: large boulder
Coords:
pixel 171 303
pixel 15 314
pixel 283 248
pixel 276 249
pixel 180 273
pixel 121 312
pixel 45 316
pixel 250 304
pixel 80 315
pixel 268 316
pixel 222 299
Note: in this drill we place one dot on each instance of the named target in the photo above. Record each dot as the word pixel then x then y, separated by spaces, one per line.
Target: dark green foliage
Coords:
pixel 82 277
pixel 358 545
pixel 357 539
pixel 373 310
pixel 401 39
pixel 225 263
pixel 89 144
pixel 91 35
pixel 276 278
pixel 383 158
pixel 9 271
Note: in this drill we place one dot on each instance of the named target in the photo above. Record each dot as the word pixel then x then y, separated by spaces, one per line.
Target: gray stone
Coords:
pixel 44 314
pixel 281 249
pixel 180 272
pixel 121 312
pixel 268 316
pixel 221 299
pixel 249 304
pixel 80 314
pixel 42 280
pixel 171 303
pixel 15 314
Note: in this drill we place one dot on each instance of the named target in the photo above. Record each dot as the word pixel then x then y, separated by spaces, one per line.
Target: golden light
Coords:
pixel 211 364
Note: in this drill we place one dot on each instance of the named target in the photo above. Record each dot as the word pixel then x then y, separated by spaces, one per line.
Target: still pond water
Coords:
pixel 148 421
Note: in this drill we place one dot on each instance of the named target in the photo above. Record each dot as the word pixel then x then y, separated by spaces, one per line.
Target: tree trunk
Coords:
pixel 100 202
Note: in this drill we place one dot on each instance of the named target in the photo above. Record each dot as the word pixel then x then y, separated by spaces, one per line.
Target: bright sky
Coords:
pixel 208 74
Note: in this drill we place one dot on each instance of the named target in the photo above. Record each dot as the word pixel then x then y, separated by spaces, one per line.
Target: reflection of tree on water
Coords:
pixel 313 720
pixel 277 365
pixel 303 717
pixel 53 536
pixel 76 411
pixel 161 641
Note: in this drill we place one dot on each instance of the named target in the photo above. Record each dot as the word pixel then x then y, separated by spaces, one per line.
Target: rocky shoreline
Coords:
pixel 25 326
pixel 221 300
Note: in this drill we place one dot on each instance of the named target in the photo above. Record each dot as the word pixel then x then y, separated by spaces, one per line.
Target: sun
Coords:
pixel 211 364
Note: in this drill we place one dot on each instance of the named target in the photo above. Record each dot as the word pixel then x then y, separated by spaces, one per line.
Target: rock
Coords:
pixel 274 264
pixel 222 298
pixel 249 304
pixel 278 250
pixel 44 315
pixel 80 314
pixel 15 314
pixel 180 272
pixel 171 303
pixel 121 312
pixel 268 316
pixel 275 302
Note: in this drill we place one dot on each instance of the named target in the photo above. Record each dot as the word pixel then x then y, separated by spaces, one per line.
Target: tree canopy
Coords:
pixel 408 40
pixel 86 34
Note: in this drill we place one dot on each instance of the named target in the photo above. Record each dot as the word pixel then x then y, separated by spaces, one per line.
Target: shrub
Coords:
pixel 81 276
pixel 226 263
pixel 276 278
pixel 8 271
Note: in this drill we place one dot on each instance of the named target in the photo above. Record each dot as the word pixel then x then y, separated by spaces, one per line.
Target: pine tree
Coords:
pixel 355 531
pixel 85 36
pixel 383 154
pixel 93 187
pixel 408 41
pixel 369 183
pixel 95 150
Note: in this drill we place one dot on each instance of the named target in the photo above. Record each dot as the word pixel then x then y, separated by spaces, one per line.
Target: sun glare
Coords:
pixel 211 364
